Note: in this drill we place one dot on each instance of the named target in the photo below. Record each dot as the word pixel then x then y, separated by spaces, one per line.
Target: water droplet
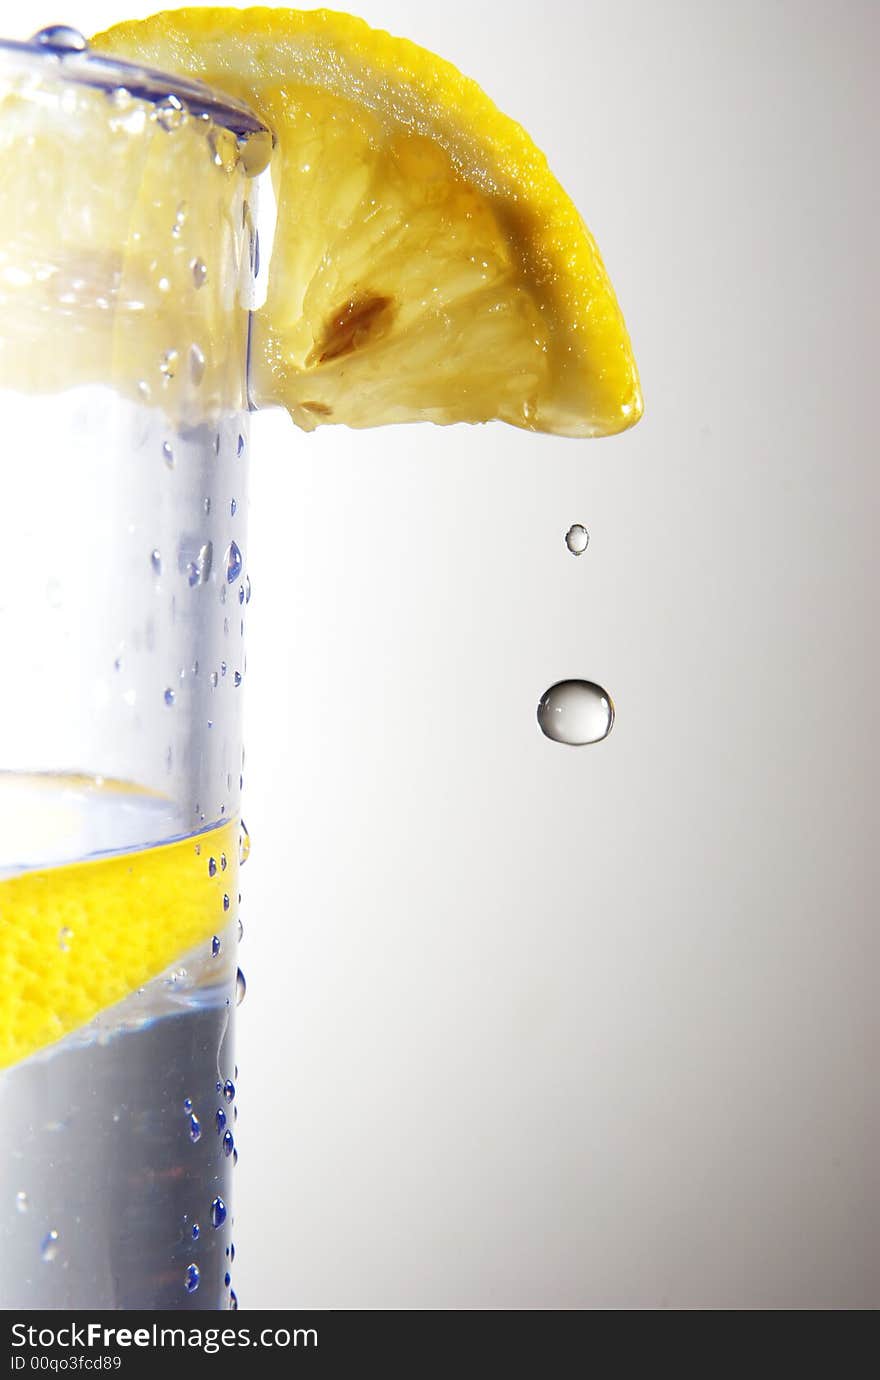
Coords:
pixel 199 272
pixel 218 1085
pixel 231 1251
pixel 225 901
pixel 229 1090
pixel 197 570
pixel 196 363
pixel 196 1231
pixel 187 1104
pixel 214 680
pixel 227 1279
pixel 169 696
pixel 215 945
pixel 239 450
pixel 577 539
pixel 168 362
pixel 168 454
pixel 240 931
pixel 234 1153
pixel 228 1143
pixel 65 934
pixel 236 679
pixel 247 589
pixel 235 1114
pixel 62 37
pixel 21 1201
pixel 244 843
pixel 224 148
pixel 156 562
pixel 240 987
pixel 206 505
pixel 212 867
pixel 195 1128
pixel 233 508
pixel 169 113
pixel 576 712
pixel 223 863
pixel 220 1118
pixel 179 219
pixel 49 1245
pixel 191 1279
pixel 223 668
pixel 218 1212
pixel 233 1302
pixel 233 563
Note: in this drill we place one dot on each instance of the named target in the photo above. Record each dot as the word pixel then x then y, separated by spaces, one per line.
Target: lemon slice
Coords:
pixel 77 938
pixel 427 265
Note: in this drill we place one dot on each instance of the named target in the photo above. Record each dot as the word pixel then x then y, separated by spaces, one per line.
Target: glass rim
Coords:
pixel 85 67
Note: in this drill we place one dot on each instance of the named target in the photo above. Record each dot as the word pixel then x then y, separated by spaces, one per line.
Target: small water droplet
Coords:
pixel 233 508
pixel 21 1201
pixel 199 272
pixel 576 712
pixel 196 1231
pixel 227 1279
pixel 169 696
pixel 156 561
pixel 247 589
pixel 191 1279
pixel 179 219
pixel 233 562
pixel 214 680
pixel 195 1128
pixel 49 1245
pixel 577 539
pixel 228 1143
pixel 61 36
pixel 65 934
pixel 229 1090
pixel 187 1104
pixel 169 113
pixel 196 363
pixel 240 931
pixel 168 454
pixel 233 1301
pixel 234 1153
pixel 239 450
pixel 223 863
pixel 225 901
pixel 218 1212
pixel 223 668
pixel 240 987
pixel 231 1251
pixel 236 679
pixel 244 843
pixel 168 362
pixel 198 570
pixel 215 945
pixel 235 1114
pixel 220 1118
pixel 224 148
pixel 206 505
pixel 212 867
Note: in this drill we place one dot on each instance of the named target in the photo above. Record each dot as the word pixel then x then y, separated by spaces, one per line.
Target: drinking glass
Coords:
pixel 127 268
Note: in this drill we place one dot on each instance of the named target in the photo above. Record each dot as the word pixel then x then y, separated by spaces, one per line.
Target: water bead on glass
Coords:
pixel 576 712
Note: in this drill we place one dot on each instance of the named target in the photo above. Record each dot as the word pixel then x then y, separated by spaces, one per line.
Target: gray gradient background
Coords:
pixel 530 1026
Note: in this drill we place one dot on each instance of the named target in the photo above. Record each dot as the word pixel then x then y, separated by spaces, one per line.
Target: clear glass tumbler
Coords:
pixel 127 264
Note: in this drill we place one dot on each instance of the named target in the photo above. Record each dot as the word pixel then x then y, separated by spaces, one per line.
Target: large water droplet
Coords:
pixel 191 1279
pixel 233 562
pixel 229 1090
pixel 577 539
pixel 228 1143
pixel 576 712
pixel 218 1212
pixel 49 1245
pixel 240 987
pixel 62 37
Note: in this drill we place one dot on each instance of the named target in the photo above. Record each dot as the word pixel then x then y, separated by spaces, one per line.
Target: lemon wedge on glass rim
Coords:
pixel 426 265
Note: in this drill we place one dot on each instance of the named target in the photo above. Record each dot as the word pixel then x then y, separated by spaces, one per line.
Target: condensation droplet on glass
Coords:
pixel 179 219
pixel 196 1231
pixel 225 901
pixel 223 668
pixel 233 1301
pixel 21 1201
pixel 187 1104
pixel 247 589
pixel 49 1245
pixel 576 712
pixel 61 36
pixel 196 363
pixel 233 508
pixel 169 113
pixel 218 1213
pixel 156 561
pixel 212 867
pixel 195 1128
pixel 168 454
pixel 240 987
pixel 215 945
pixel 227 1279
pixel 169 696
pixel 224 148
pixel 220 1117
pixel 191 1278
pixel 198 571
pixel 244 843
pixel 239 450
pixel 199 272
pixel 214 680
pixel 236 679
pixel 228 1143
pixel 229 1090
pixel 168 362
pixel 233 562
pixel 577 539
